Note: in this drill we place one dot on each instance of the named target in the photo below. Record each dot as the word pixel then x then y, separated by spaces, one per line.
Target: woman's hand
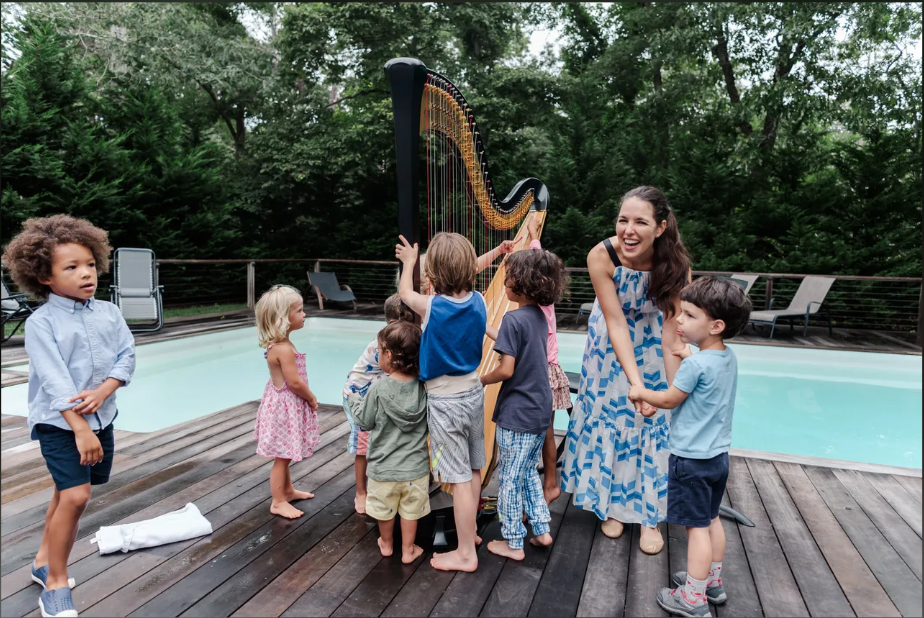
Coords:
pixel 405 252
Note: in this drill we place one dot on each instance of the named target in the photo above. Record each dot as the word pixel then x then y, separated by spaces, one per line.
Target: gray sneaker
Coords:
pixel 673 602
pixel 715 594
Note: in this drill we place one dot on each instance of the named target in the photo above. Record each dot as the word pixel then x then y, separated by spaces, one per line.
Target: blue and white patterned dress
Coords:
pixel 615 459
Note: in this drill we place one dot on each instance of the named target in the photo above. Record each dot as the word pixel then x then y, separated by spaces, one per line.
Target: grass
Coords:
pixel 168 313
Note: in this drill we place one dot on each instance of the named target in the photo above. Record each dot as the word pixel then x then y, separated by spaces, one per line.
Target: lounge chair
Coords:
pixel 585 308
pixel 746 281
pixel 807 302
pixel 328 288
pixel 15 308
pixel 135 290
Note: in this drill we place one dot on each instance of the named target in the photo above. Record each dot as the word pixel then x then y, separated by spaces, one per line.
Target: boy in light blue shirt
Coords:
pixel 703 398
pixel 80 351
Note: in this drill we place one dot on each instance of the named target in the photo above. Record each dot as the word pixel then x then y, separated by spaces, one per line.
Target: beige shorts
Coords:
pixel 409 499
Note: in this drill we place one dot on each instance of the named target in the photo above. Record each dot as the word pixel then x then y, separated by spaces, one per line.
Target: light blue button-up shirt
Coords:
pixel 74 346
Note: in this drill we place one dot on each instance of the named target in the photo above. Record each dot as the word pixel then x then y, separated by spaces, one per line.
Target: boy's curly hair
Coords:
pixel 397 311
pixel 537 274
pixel 402 339
pixel 29 254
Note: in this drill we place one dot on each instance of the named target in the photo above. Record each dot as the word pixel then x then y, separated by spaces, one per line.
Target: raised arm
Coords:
pixel 485 260
pixel 601 271
pixel 407 254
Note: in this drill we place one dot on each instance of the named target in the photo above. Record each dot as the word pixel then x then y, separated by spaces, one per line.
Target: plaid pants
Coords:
pixel 520 487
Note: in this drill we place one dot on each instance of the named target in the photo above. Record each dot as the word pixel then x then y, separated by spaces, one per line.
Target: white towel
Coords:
pixel 186 523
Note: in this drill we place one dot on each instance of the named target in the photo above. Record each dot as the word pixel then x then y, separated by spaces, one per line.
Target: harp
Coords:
pixel 440 154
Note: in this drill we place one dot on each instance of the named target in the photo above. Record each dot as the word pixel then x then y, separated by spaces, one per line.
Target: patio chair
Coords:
pixel 807 302
pixel 746 281
pixel 15 308
pixel 328 288
pixel 585 308
pixel 135 290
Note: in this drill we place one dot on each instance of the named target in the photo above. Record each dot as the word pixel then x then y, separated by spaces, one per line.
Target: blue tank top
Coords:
pixel 453 336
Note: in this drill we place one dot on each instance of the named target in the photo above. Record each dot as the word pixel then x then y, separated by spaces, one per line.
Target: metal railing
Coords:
pixel 854 302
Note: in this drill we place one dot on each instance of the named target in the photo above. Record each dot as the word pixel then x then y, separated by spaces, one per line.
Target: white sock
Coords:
pixel 695 590
pixel 715 575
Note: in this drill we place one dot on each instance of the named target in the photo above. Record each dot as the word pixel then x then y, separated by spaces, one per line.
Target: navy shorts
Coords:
pixel 59 448
pixel 694 489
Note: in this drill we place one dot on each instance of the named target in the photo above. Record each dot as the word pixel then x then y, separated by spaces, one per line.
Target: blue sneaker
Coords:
pixel 57 602
pixel 40 576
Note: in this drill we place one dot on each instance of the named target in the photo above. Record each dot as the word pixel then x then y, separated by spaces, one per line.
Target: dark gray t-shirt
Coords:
pixel 524 403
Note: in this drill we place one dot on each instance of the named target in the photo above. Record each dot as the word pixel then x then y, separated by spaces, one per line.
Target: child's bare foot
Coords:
pixel 284 509
pixel 551 493
pixel 293 494
pixel 453 561
pixel 409 556
pixel 477 540
pixel 359 503
pixel 502 549
pixel 387 549
pixel 543 540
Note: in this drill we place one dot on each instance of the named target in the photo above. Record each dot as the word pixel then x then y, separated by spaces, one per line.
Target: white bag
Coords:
pixel 186 523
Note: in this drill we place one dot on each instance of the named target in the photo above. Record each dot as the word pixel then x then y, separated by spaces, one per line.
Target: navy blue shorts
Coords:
pixel 694 489
pixel 59 448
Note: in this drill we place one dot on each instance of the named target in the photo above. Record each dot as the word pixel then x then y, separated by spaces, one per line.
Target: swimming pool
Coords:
pixel 853 406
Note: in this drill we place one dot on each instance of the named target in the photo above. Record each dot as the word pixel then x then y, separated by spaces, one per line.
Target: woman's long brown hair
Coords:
pixel 671 262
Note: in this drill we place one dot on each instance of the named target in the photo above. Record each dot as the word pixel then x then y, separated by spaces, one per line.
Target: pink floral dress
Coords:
pixel 286 426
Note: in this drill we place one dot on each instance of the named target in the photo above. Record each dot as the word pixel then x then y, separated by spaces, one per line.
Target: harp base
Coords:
pixel 438 529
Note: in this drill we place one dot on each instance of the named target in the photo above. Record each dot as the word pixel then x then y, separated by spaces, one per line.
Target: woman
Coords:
pixel 615 458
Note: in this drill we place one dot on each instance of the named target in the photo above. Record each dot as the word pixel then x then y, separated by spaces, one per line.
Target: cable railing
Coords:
pixel 854 302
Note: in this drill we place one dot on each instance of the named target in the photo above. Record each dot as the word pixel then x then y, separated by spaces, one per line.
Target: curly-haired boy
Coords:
pixel 80 351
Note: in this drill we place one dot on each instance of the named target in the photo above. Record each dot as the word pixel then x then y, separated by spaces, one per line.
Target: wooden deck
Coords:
pixel 827 542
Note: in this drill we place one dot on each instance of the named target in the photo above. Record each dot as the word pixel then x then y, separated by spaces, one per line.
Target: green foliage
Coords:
pixel 786 135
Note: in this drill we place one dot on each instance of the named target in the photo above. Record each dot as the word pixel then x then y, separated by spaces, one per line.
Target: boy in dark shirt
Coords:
pixel 524 405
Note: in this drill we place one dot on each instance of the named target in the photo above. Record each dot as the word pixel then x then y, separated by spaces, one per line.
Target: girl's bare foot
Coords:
pixel 543 540
pixel 386 548
pixel 551 493
pixel 612 528
pixel 502 549
pixel 294 494
pixel 409 556
pixel 284 509
pixel 453 561
pixel 477 540
pixel 651 541
pixel 359 503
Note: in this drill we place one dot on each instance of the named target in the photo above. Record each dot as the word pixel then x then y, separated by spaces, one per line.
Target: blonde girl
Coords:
pixel 287 425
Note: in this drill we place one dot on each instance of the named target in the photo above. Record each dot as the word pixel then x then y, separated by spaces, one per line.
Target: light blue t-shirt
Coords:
pixel 701 426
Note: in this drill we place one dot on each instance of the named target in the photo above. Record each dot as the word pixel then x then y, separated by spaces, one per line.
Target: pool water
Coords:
pixel 853 406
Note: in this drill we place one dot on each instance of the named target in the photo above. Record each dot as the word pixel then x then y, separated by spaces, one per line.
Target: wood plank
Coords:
pixel 325 596
pixel 421 593
pixel 97 576
pixel 468 592
pixel 820 590
pixel 898 498
pixel 146 574
pixel 228 484
pixel 743 600
pixel 893 574
pixel 776 587
pixel 516 585
pixel 859 584
pixel 607 577
pixel 911 484
pixel 647 575
pixel 562 582
pixel 378 589
pixel 278 595
pixel 902 538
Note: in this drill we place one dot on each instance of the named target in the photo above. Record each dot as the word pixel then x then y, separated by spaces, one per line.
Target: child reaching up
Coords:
pixel 523 412
pixel 483 261
pixel 287 426
pixel 703 398
pixel 395 411
pixel 361 376
pixel 454 323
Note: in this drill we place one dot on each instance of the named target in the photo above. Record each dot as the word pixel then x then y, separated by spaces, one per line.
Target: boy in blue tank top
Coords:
pixel 703 398
pixel 454 324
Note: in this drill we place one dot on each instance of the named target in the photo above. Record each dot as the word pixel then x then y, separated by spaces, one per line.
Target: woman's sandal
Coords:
pixel 613 528
pixel 649 547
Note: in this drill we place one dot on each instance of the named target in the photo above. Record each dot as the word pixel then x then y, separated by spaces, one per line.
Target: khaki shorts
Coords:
pixel 409 499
